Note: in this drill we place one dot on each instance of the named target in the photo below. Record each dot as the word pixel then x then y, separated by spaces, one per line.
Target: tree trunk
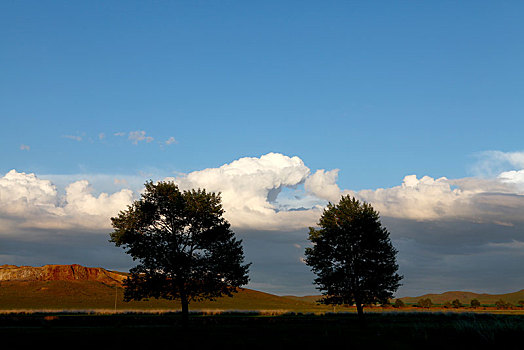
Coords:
pixel 360 312
pixel 185 310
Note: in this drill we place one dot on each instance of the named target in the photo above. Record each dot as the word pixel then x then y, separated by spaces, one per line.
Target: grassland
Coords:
pixel 91 295
pixel 81 314
pixel 255 331
pixel 95 296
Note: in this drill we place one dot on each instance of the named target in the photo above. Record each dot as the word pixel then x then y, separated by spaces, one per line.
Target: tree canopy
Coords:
pixel 184 247
pixel 399 303
pixel 456 303
pixel 475 303
pixel 352 255
pixel 426 303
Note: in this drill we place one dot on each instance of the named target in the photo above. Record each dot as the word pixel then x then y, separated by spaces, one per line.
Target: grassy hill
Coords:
pixel 312 299
pixel 92 295
pixel 89 295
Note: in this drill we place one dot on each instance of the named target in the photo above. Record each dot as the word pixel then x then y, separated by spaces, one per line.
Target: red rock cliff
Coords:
pixel 59 273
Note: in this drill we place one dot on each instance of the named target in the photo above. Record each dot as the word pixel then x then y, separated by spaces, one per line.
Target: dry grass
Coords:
pixel 94 297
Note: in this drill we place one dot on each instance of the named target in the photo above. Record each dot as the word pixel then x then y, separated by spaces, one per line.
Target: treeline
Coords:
pixel 427 303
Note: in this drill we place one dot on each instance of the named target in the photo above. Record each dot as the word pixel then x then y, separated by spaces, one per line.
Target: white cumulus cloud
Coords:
pixel 323 184
pixel 515 177
pixel 22 193
pixel 79 201
pixel 30 202
pixel 472 199
pixel 424 198
pixel 249 186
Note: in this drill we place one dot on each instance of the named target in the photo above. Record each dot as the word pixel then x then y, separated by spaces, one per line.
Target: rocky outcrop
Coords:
pixel 59 273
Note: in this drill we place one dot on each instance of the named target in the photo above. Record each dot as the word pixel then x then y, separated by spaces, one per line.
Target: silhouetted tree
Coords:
pixel 185 248
pixel 352 256
pixel 456 303
pixel 501 304
pixel 474 303
pixel 426 303
pixel 386 304
pixel 399 303
pixel 520 303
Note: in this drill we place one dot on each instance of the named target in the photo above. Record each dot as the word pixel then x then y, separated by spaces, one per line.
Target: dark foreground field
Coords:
pixel 255 331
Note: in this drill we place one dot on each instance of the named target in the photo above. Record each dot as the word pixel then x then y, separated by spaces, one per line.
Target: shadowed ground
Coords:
pixel 388 330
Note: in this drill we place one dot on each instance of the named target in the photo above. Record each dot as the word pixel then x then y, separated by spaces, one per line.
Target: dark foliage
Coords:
pixel 185 248
pixel 386 304
pixel 456 304
pixel 399 303
pixel 475 303
pixel 501 304
pixel 426 303
pixel 352 255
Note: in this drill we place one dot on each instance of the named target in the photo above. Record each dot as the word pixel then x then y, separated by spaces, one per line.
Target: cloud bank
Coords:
pixel 472 199
pixel 250 188
pixel 273 192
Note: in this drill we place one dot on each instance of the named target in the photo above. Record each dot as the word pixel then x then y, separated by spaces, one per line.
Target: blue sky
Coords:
pixel 375 89
pixel 379 90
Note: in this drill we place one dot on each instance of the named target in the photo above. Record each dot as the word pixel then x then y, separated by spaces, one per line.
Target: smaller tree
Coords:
pixel 475 303
pixel 520 303
pixel 399 303
pixel 425 303
pixel 352 256
pixel 456 304
pixel 501 304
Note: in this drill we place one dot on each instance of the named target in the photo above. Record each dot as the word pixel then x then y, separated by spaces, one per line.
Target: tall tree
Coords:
pixel 185 248
pixel 352 256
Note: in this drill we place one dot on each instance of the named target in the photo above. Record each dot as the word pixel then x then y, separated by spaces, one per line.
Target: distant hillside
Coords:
pixel 313 299
pixel 466 297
